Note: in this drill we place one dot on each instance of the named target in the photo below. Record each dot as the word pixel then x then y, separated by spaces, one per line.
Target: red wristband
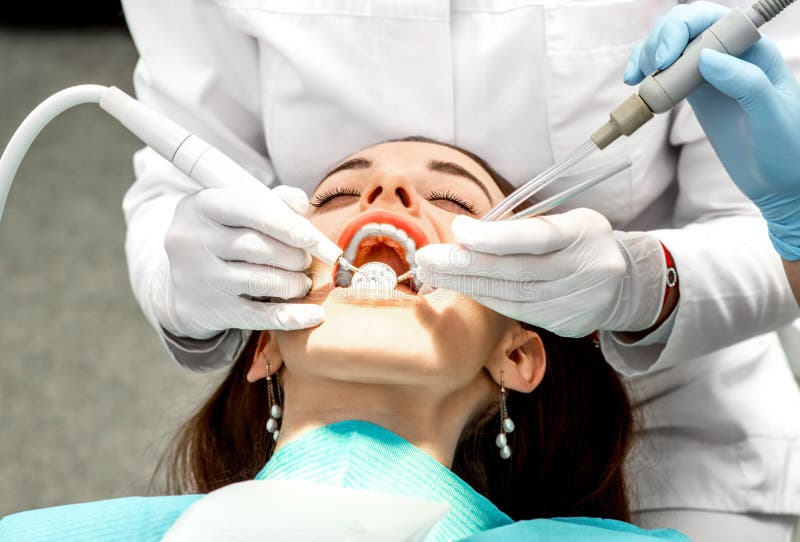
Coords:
pixel 672 273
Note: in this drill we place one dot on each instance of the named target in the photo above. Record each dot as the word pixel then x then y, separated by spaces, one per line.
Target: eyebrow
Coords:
pixel 454 169
pixel 449 168
pixel 353 163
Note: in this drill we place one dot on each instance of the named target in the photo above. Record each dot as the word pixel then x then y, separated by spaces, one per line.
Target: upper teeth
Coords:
pixel 343 277
pixel 386 230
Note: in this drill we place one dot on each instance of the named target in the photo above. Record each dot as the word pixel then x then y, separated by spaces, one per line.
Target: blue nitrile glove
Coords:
pixel 750 111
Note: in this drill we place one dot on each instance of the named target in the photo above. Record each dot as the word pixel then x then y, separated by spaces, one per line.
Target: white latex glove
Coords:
pixel 229 242
pixel 568 273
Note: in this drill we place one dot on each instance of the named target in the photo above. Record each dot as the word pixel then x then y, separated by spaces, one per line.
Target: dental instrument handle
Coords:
pixel 192 155
pixel 658 93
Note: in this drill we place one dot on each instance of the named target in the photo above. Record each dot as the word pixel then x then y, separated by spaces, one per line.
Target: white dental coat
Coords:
pixel 289 87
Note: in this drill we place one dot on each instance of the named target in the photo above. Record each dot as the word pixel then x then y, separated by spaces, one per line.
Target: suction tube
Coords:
pixel 733 34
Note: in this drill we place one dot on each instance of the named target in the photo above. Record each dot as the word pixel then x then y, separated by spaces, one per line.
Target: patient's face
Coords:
pixel 402 337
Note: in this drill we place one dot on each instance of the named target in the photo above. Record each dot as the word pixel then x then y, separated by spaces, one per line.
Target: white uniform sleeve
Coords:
pixel 732 284
pixel 203 73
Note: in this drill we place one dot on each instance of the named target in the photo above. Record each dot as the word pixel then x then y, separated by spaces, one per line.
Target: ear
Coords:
pixel 266 351
pixel 522 359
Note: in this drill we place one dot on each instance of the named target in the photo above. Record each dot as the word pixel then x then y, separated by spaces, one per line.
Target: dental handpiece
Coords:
pixel 191 155
pixel 187 152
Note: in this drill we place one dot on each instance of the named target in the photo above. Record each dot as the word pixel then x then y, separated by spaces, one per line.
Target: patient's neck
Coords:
pixel 432 423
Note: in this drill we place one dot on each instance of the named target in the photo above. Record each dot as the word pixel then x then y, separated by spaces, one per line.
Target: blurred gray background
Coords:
pixel 88 397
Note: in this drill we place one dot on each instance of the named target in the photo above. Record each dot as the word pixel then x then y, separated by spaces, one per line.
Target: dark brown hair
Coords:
pixel 572 434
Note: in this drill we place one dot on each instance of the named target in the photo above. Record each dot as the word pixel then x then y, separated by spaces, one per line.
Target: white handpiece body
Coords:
pixel 192 155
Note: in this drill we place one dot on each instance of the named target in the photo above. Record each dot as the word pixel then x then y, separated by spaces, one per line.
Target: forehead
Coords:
pixel 417 152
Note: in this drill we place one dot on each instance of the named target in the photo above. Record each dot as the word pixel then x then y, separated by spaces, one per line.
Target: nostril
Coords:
pixel 374 195
pixel 403 195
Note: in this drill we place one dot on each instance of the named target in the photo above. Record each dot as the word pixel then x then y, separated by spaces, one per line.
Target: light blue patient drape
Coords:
pixel 351 454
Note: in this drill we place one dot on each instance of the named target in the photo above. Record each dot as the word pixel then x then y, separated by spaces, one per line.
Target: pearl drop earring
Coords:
pixel 275 410
pixel 506 424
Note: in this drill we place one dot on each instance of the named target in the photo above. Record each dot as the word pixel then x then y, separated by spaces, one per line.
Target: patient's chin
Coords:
pixel 363 343
pixel 395 343
pixel 395 339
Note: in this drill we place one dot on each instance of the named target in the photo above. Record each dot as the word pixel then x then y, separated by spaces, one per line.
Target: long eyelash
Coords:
pixel 450 196
pixel 325 197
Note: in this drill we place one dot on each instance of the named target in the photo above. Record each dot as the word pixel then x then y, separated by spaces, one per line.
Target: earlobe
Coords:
pixel 266 352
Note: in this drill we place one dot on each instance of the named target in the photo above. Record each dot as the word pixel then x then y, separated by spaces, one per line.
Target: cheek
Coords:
pixel 467 330
pixel 330 222
pixel 441 219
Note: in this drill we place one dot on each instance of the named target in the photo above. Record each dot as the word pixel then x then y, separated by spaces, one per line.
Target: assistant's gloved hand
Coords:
pixel 750 110
pixel 568 273
pixel 223 243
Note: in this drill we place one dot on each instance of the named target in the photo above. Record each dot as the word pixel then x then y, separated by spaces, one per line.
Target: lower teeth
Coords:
pixel 374 276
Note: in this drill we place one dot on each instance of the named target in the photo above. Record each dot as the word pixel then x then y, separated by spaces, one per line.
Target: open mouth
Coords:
pixel 382 237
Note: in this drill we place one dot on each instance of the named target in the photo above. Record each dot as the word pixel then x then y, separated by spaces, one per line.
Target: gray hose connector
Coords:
pixel 624 119
pixel 770 8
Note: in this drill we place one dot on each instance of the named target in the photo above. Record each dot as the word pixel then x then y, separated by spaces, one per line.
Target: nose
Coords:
pixel 390 191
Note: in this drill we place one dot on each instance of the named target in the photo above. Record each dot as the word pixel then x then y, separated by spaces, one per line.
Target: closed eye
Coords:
pixel 325 197
pixel 455 200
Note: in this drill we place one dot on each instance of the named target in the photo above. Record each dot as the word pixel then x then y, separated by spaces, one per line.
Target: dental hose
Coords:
pixel 768 9
pixel 34 123
pixel 187 152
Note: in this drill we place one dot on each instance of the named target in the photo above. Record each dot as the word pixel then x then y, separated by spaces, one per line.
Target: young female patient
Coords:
pixel 393 415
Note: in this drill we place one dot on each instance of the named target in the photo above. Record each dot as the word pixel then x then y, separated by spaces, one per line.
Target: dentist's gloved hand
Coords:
pixel 225 243
pixel 750 110
pixel 568 273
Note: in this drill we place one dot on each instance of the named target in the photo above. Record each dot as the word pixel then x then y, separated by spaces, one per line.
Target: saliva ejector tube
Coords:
pixel 658 93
